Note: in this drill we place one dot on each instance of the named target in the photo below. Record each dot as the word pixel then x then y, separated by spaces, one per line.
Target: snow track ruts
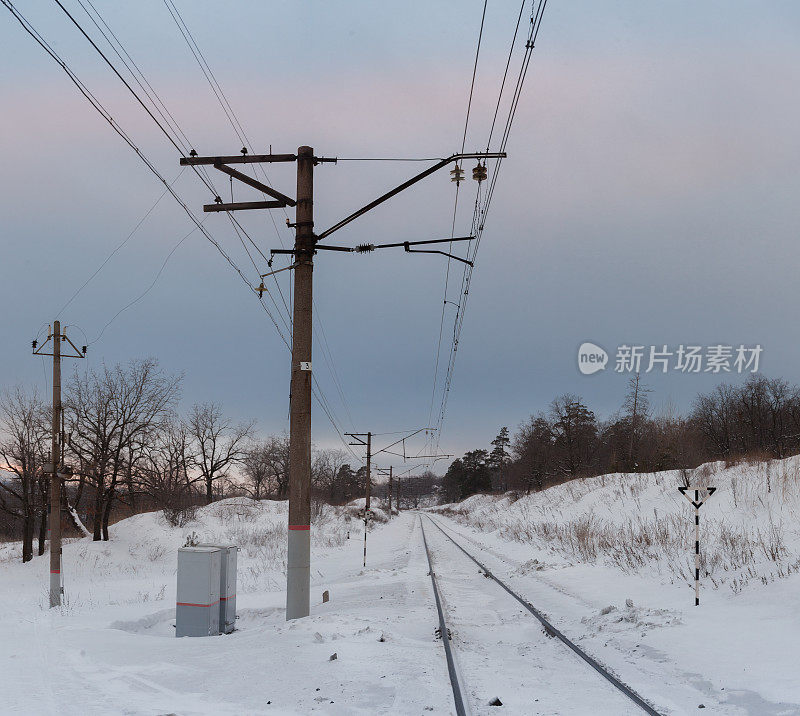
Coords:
pixel 549 628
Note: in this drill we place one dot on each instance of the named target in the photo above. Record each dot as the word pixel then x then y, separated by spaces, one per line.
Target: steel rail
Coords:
pixel 455 682
pixel 552 631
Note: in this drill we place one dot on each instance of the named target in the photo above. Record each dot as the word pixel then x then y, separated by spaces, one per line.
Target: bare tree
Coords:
pixel 162 473
pixel 257 470
pixel 23 451
pixel 110 412
pixel 637 406
pixel 219 443
pixel 326 472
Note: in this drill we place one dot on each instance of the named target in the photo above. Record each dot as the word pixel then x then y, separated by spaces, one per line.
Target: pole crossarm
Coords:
pixel 238 159
pixel 410 182
pixel 37 351
pixel 287 201
pixel 243 205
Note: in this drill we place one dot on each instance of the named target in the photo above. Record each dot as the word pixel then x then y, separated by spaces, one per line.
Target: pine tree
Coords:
pixel 498 458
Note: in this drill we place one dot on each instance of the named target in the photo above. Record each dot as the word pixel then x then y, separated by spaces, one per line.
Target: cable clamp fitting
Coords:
pixel 299 224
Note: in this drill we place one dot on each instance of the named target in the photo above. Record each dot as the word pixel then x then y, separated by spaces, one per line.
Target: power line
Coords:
pixel 97 105
pixel 206 69
pixel 122 79
pixel 389 159
pixel 242 136
pixel 474 73
pixel 505 73
pixel 147 290
pixel 149 91
pixel 119 246
pixel 236 124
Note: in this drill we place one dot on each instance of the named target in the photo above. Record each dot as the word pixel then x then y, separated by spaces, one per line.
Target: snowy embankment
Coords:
pixel 640 523
pixel 138 563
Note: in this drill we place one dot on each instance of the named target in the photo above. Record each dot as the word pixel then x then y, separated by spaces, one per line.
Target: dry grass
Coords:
pixel 756 540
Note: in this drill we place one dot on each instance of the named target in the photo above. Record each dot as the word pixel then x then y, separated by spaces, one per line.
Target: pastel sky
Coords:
pixel 649 197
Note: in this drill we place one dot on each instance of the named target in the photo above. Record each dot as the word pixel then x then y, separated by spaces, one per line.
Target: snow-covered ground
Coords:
pixel 111 649
pixel 581 550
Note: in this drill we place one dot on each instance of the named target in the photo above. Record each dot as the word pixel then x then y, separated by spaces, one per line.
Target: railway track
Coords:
pixel 457 683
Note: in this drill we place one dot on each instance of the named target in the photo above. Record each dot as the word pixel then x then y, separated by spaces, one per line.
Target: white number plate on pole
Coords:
pixel 305 365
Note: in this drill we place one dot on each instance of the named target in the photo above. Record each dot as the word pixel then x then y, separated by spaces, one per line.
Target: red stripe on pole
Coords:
pixel 299 527
pixel 188 604
pixel 55 571
pixel 224 599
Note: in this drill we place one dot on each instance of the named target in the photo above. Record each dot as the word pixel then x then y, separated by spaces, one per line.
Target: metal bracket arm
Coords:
pixel 410 182
pixel 434 251
pixel 255 184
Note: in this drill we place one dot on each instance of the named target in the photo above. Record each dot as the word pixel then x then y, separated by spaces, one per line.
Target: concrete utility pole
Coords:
pixel 55 480
pixel 299 548
pixel 390 491
pixel 54 467
pixel 369 469
pixel 306 245
pixel 384 471
pixel 368 444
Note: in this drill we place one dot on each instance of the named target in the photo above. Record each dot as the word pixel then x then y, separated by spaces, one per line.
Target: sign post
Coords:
pixel 693 495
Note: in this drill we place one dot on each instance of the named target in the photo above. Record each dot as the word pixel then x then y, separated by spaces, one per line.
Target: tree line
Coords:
pixel 130 450
pixel 760 417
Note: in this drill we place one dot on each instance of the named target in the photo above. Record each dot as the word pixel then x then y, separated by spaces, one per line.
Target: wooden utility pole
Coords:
pixel 55 466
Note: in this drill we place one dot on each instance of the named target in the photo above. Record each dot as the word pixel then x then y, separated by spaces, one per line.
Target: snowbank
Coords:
pixel 139 561
pixel 639 522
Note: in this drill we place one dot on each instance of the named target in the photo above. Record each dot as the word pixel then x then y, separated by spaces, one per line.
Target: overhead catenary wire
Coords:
pixel 455 211
pixel 537 12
